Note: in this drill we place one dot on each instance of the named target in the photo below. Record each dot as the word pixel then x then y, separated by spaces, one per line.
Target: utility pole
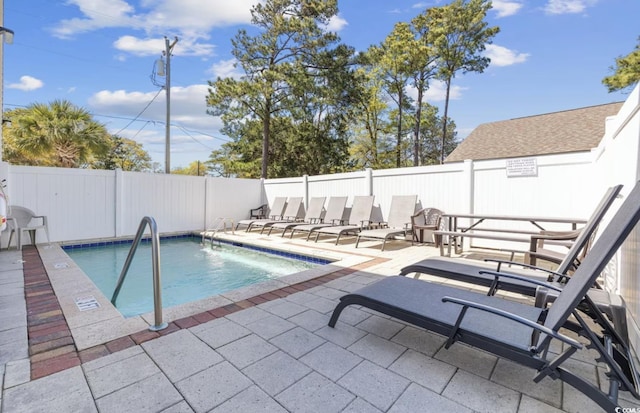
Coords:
pixel 6 37
pixel 167 89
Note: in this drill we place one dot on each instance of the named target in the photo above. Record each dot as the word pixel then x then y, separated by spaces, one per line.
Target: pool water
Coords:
pixel 189 271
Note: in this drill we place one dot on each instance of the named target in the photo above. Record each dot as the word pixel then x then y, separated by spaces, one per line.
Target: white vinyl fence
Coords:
pixel 87 204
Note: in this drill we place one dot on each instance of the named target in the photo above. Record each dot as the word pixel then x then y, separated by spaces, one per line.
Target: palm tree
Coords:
pixel 58 134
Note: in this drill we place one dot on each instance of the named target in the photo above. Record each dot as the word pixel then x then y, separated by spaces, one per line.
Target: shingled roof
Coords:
pixel 574 130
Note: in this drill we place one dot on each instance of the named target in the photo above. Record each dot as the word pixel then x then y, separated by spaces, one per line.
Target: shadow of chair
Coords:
pixel 23 220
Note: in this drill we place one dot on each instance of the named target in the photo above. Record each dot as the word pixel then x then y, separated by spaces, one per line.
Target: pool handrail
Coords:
pixel 155 262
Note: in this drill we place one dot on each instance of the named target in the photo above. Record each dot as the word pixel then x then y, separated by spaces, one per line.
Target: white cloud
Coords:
pixel 140 47
pixel 225 68
pixel 27 83
pixel 194 133
pixel 437 92
pixel 568 6
pixel 188 106
pixel 501 56
pixel 336 23
pixel 155 46
pixel 183 16
pixel 190 20
pixel 505 7
pixel 120 14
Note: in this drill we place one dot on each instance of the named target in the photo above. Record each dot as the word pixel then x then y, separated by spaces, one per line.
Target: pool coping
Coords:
pixel 62 336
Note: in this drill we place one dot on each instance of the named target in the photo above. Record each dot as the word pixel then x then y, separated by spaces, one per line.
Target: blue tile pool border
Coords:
pixel 300 257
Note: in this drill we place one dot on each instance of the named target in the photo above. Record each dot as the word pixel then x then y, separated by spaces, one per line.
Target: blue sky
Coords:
pixel 550 55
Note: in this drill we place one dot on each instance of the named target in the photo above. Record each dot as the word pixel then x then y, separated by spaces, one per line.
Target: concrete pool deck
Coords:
pixel 262 349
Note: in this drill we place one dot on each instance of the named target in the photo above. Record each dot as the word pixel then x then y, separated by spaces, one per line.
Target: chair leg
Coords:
pixel 11 237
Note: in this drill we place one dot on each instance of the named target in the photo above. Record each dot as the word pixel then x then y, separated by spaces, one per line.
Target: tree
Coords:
pixel 424 68
pixel 370 125
pixel 626 73
pixel 459 34
pixel 430 136
pixel 58 134
pixel 290 52
pixel 394 56
pixel 125 154
pixel 195 168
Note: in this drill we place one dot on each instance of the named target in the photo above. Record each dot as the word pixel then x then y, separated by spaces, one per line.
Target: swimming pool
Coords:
pixel 189 270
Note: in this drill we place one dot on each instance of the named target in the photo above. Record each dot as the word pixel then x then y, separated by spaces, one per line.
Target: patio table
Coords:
pixel 476 229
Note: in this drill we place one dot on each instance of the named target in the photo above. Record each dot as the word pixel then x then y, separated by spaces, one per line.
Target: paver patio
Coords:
pixel 277 355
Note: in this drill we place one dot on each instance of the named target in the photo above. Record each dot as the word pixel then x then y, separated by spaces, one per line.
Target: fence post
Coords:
pixel 469 189
pixel 118 201
pixel 305 184
pixel 368 181
pixel 206 203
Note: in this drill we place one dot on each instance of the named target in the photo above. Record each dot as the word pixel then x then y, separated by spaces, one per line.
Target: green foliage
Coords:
pixel 58 134
pixel 293 75
pixel 195 168
pixel 459 33
pixel 394 59
pixel 626 73
pixel 430 136
pixel 307 105
pixel 125 154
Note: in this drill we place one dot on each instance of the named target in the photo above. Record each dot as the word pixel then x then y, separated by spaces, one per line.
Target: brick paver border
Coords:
pixel 51 345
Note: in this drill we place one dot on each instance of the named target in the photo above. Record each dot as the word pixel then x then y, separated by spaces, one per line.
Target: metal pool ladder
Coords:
pixel 155 261
pixel 219 224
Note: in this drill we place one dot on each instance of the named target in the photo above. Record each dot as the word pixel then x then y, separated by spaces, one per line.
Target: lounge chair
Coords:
pixel 358 219
pixel 312 216
pixel 292 213
pixel 275 212
pixel 478 273
pixel 333 216
pixel 259 212
pixel 21 220
pixel 399 221
pixel 517 331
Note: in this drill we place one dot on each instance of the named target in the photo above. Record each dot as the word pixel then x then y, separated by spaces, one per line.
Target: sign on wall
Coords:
pixel 522 167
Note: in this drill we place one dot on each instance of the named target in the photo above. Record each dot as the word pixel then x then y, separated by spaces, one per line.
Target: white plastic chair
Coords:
pixel 23 220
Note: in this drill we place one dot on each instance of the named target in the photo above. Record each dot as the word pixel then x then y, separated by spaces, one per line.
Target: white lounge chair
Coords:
pixel 399 221
pixel 292 213
pixel 313 216
pixel 333 216
pixel 276 211
pixel 359 218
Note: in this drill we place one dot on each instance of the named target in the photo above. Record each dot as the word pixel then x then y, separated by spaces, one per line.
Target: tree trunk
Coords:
pixel 399 139
pixel 266 131
pixel 416 130
pixel 444 121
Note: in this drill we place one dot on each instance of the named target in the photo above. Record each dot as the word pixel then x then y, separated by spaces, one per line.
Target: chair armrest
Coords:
pixel 514 317
pixel 13 222
pixel 537 240
pixel 525 265
pixel 43 218
pixel 497 275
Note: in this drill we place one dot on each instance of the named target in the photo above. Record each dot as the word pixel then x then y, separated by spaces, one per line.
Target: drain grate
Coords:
pixel 87 303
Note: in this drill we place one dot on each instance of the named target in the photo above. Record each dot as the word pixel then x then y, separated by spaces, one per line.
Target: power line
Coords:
pixel 193 138
pixel 187 131
pixel 138 115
